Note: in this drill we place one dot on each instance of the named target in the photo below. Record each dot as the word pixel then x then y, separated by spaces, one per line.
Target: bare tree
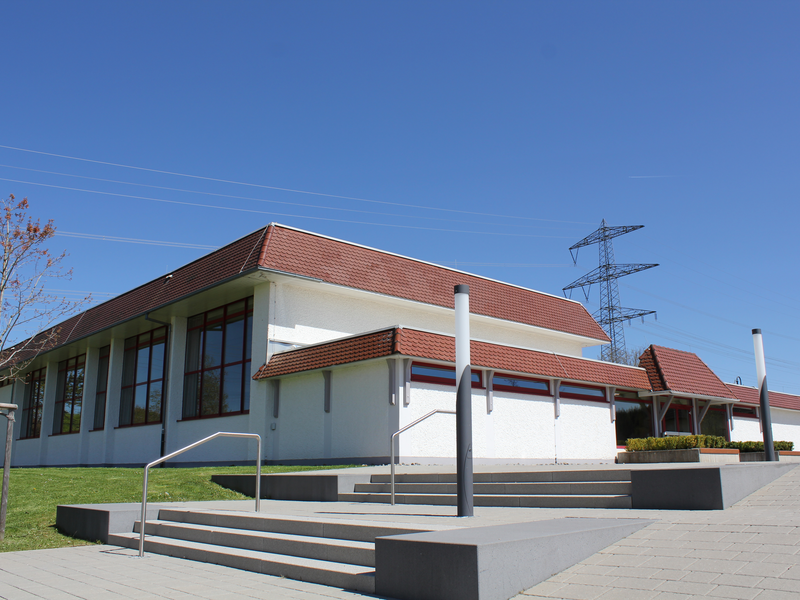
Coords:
pixel 27 311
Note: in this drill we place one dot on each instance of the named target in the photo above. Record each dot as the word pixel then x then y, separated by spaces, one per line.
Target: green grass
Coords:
pixel 34 495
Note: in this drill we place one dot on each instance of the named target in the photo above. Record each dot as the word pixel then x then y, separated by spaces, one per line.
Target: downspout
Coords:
pixel 165 394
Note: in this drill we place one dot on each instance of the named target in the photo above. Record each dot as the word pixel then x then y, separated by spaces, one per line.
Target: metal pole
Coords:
pixel 10 408
pixel 763 395
pixel 463 404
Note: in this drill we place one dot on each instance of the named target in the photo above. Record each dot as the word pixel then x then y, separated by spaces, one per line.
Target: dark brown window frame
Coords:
pixel 193 407
pixel 148 339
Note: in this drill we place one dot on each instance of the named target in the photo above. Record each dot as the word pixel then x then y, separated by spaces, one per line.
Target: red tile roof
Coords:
pixel 681 372
pixel 288 250
pixel 432 346
pixel 749 395
pixel 353 266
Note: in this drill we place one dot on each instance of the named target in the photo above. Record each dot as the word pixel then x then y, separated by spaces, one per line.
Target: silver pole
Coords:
pixel 763 395
pixel 463 404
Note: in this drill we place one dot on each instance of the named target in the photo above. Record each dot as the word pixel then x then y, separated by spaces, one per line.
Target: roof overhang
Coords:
pixel 711 399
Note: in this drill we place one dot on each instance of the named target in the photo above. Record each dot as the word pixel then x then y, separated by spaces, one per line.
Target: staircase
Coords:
pixel 328 552
pixel 542 489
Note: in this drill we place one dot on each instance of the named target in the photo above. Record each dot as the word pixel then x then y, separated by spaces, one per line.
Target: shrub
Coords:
pixel 759 446
pixel 677 442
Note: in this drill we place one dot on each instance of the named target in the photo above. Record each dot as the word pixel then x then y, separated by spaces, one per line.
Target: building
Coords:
pixel 325 348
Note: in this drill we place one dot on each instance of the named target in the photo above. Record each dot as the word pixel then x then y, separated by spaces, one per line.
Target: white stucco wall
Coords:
pixel 137 445
pixel 746 430
pixel 786 426
pixel 523 426
pixel 585 431
pixel 300 426
pixel 220 450
pixel 308 315
pixel 360 411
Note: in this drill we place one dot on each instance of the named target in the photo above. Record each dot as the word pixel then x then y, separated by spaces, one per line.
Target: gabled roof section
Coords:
pixel 434 346
pixel 681 373
pixel 749 395
pixel 343 263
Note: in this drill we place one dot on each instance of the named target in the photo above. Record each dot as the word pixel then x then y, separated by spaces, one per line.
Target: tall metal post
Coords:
pixel 9 414
pixel 763 395
pixel 463 404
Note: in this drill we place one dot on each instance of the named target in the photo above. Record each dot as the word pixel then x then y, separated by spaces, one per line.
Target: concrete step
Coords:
pixel 539 501
pixel 582 488
pixel 352 577
pixel 511 477
pixel 334 550
pixel 362 531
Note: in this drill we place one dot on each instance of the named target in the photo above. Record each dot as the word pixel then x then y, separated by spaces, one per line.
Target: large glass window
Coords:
pixel 32 404
pixel 143 367
pixel 634 420
pixel 440 374
pixel 520 385
pixel 217 372
pixel 582 392
pixel 101 389
pixel 715 423
pixel 69 395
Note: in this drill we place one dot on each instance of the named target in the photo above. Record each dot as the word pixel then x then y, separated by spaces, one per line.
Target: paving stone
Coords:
pixel 739 580
pixel 764 569
pixel 734 592
pixel 685 587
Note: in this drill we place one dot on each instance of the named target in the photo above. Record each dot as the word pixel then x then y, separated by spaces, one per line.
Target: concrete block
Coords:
pixel 95 521
pixel 701 488
pixel 489 563
pixel 316 487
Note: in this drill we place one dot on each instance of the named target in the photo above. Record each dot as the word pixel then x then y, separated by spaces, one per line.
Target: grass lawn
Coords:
pixel 34 494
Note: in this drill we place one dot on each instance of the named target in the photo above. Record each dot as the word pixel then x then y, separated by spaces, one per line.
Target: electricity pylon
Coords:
pixel 611 315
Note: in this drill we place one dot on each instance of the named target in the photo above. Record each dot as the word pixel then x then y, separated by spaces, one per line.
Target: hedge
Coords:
pixel 680 442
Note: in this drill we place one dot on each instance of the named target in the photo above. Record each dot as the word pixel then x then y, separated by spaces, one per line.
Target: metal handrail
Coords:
pixel 409 426
pixel 189 447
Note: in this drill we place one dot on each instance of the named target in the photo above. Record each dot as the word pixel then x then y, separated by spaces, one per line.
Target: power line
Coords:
pixel 172 189
pixel 281 189
pixel 262 212
pixel 111 238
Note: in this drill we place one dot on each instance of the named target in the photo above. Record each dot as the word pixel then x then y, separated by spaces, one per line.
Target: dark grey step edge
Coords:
pixel 321 572
pixel 333 550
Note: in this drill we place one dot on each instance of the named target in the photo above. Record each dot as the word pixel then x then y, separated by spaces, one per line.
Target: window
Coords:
pixel 69 395
pixel 634 420
pixel 715 423
pixel 143 378
pixel 677 420
pixel 520 385
pixel 741 411
pixel 217 373
pixel 100 391
pixel 441 374
pixel 32 404
pixel 581 392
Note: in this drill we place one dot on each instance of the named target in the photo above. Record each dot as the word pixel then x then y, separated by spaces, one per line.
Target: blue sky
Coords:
pixel 489 135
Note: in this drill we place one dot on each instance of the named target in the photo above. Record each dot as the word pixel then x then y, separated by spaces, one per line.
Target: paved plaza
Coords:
pixel 750 551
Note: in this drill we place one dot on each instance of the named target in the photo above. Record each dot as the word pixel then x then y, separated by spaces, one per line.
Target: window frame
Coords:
pixel 247 316
pixel 579 396
pixel 77 366
pixel 36 379
pixel 499 387
pixel 736 411
pixel 478 385
pixel 148 340
pixel 101 396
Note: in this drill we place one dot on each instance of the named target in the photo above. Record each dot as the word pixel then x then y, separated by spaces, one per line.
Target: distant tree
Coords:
pixel 27 311
pixel 630 357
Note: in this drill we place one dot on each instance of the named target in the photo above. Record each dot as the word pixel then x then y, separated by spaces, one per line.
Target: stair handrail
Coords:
pixel 409 426
pixel 189 447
